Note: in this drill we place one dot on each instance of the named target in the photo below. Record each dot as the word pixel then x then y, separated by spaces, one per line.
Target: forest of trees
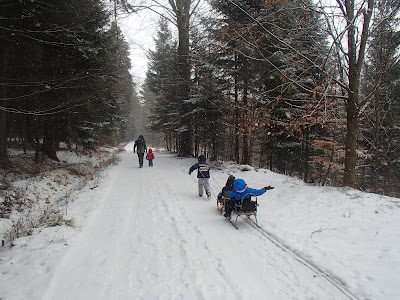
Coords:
pixel 300 87
pixel 64 77
pixel 295 86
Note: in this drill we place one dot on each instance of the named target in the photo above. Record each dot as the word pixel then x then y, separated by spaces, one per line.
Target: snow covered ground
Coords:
pixel 146 234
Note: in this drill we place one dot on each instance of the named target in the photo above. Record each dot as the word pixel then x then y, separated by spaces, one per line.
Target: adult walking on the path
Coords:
pixel 140 147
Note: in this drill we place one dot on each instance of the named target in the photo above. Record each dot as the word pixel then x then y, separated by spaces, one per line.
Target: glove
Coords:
pixel 268 187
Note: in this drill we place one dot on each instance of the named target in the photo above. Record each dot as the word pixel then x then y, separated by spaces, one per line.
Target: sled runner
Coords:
pixel 245 207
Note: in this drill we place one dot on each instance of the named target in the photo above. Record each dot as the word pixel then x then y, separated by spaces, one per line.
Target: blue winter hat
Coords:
pixel 202 158
pixel 240 185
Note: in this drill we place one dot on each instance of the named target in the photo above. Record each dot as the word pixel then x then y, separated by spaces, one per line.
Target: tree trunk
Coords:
pixel 182 11
pixel 50 142
pixel 196 141
pixel 38 148
pixel 236 121
pixel 350 163
pixel 307 154
pixel 245 118
pixel 377 143
pixel 355 66
pixel 4 159
pixel 246 155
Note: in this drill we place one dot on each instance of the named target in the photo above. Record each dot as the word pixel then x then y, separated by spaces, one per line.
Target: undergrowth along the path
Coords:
pixel 37 195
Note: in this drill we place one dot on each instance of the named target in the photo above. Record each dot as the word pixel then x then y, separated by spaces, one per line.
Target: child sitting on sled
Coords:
pixel 227 188
pixel 240 192
pixel 223 196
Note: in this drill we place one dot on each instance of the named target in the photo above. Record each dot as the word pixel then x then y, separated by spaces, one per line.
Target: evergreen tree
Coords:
pixel 277 49
pixel 378 127
pixel 161 80
pixel 71 78
pixel 209 108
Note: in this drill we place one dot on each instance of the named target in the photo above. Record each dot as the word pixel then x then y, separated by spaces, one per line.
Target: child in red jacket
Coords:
pixel 150 157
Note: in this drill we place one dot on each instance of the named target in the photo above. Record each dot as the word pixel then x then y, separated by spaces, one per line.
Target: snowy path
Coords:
pixel 152 237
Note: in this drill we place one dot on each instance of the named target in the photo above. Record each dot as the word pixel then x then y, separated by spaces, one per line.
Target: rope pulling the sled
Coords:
pixel 215 195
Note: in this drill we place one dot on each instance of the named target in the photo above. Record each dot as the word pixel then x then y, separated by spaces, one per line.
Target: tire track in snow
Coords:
pixel 278 267
pixel 100 251
pixel 193 238
pixel 168 213
pixel 165 249
pixel 150 252
pixel 292 255
pixel 147 239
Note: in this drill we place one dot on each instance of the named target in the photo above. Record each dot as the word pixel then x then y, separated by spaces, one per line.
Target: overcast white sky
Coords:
pixel 139 30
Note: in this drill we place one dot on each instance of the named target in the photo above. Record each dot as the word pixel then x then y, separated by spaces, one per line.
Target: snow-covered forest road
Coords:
pixel 152 237
pixel 146 234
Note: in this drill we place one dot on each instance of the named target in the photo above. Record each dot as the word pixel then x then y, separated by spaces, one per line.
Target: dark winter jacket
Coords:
pixel 140 145
pixel 150 155
pixel 227 188
pixel 203 169
pixel 242 191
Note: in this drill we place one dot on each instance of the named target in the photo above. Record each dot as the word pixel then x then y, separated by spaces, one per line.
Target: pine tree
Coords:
pixel 209 108
pixel 161 80
pixel 68 82
pixel 277 50
pixel 379 82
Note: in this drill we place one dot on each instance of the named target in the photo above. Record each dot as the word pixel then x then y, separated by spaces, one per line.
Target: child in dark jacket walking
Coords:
pixel 203 175
pixel 150 157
